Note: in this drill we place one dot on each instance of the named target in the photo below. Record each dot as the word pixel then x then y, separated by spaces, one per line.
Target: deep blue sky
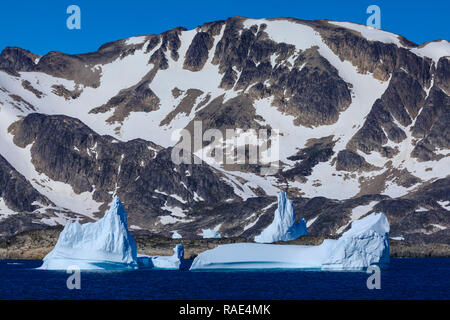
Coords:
pixel 40 26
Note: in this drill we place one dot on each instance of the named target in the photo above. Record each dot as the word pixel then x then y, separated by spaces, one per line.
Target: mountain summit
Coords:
pixel 362 114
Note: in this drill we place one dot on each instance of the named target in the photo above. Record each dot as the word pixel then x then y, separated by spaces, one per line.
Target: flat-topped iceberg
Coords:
pixel 164 262
pixel 365 244
pixel 283 226
pixel 102 245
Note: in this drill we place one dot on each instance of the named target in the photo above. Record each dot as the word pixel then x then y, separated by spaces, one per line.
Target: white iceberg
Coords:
pixel 209 233
pixel 283 226
pixel 162 262
pixel 176 235
pixel 365 244
pixel 102 245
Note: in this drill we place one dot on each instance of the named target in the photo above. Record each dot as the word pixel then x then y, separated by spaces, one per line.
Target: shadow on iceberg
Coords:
pixel 102 245
pixel 283 226
pixel 365 244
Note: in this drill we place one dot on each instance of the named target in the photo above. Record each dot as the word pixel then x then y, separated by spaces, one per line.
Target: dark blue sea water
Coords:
pixel 404 279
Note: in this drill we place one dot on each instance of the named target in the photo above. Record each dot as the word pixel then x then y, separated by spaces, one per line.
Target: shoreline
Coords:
pixel 35 244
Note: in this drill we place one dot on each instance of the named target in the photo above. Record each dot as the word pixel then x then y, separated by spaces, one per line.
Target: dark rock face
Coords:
pixel 252 66
pixel 397 104
pixel 315 92
pixel 17 193
pixel 27 85
pixel 21 222
pixel 420 212
pixel 309 89
pixel 13 59
pixel 442 75
pixel 404 101
pixel 365 54
pixel 139 98
pixel 159 59
pixel 414 225
pixel 197 53
pixel 62 91
pixel 348 160
pixel 319 151
pixel 432 126
pixel 171 41
pixel 141 172
pixel 234 113
pixel 234 215
pixel 69 67
pixel 185 106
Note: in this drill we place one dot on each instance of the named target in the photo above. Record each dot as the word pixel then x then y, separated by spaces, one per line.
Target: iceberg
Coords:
pixel 209 233
pixel 164 262
pixel 176 235
pixel 102 245
pixel 283 226
pixel 365 244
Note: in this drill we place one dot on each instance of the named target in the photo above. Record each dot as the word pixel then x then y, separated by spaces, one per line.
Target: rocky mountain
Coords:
pixel 362 117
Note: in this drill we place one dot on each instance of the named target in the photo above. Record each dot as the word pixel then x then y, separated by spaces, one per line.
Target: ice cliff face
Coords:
pixel 365 244
pixel 283 227
pixel 105 244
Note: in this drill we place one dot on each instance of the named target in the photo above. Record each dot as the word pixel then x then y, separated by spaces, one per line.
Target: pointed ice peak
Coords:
pixel 178 251
pixel 118 209
pixel 285 207
pixel 104 244
pixel 283 226
pixel 116 200
pixel 282 195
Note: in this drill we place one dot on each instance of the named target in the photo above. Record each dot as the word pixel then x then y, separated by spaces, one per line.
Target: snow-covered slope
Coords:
pixel 359 111
pixel 283 227
pixel 365 244
pixel 105 244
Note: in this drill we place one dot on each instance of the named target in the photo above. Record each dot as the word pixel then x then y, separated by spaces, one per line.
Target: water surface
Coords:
pixel 418 278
